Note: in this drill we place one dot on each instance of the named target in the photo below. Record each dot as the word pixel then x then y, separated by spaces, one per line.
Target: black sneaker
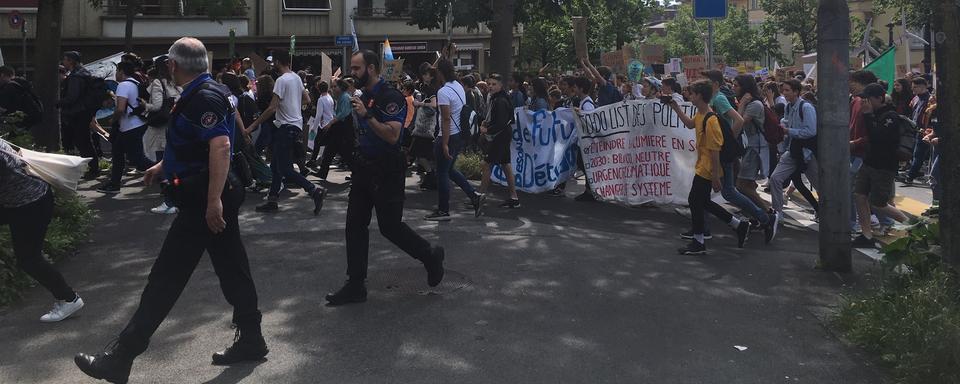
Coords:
pixel 755 226
pixel 863 242
pixel 688 235
pixel 510 204
pixel 268 207
pixel 318 194
pixel 109 188
pixel 350 293
pixel 92 174
pixel 478 204
pixel 557 192
pixel 743 232
pixel 438 216
pixel 907 182
pixel 111 365
pixel 244 348
pixel 434 266
pixel 693 248
pixel 585 197
pixel 770 230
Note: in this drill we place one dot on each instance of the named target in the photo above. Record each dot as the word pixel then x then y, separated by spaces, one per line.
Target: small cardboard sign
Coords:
pixel 326 68
pixel 730 72
pixel 393 70
pixel 693 65
pixel 580 36
pixel 635 71
pixel 674 65
pixel 617 60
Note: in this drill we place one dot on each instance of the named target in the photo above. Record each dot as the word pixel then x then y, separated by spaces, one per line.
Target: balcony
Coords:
pixel 172 18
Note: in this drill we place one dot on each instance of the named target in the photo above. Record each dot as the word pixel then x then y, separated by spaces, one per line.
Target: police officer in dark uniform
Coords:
pixel 197 162
pixel 378 181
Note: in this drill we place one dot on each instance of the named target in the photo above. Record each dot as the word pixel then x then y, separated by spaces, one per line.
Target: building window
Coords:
pixel 754 4
pixel 306 5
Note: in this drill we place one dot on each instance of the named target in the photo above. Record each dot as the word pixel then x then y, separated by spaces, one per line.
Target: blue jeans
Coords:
pixel 733 196
pixel 935 175
pixel 446 172
pixel 921 153
pixel 282 165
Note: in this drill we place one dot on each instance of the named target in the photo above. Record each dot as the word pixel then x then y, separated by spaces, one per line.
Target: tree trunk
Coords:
pixel 948 107
pixel 133 6
pixel 501 39
pixel 833 132
pixel 46 77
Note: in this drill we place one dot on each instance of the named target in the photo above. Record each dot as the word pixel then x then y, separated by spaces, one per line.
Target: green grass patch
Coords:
pixel 912 321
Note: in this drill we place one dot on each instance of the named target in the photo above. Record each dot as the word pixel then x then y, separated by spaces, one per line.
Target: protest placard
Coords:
pixel 580 36
pixel 638 152
pixel 542 151
pixel 617 60
pixel 693 65
pixel 635 71
pixel 393 70
pixel 730 72
pixel 326 68
pixel 652 53
pixel 674 65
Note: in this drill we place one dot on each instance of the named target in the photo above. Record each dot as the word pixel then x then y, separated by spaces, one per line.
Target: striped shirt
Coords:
pixel 17 188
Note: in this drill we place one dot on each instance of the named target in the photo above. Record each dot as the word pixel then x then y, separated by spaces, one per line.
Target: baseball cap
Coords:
pixel 873 90
pixel 654 82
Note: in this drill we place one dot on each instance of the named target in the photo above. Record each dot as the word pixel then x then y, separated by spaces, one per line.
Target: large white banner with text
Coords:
pixel 542 149
pixel 638 152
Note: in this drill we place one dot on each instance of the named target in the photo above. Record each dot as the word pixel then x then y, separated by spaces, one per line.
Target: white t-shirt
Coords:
pixel 452 94
pixel 289 88
pixel 587 104
pixel 128 89
pixel 324 111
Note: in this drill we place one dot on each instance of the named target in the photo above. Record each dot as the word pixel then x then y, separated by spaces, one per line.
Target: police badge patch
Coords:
pixel 208 120
pixel 392 108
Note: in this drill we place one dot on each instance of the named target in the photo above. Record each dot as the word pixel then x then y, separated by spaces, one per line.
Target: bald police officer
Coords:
pixel 197 162
pixel 378 181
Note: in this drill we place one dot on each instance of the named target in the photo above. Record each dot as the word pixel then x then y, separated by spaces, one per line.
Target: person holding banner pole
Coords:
pixel 709 172
pixel 497 134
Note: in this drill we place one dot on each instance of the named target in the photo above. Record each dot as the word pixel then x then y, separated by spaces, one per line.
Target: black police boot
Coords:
pixel 434 266
pixel 247 346
pixel 112 365
pixel 352 292
pixel 318 194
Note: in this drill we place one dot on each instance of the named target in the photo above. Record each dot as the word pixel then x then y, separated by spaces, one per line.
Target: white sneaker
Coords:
pixel 164 209
pixel 62 310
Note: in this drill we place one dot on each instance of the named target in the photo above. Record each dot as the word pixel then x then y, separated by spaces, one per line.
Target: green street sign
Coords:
pixel 293 43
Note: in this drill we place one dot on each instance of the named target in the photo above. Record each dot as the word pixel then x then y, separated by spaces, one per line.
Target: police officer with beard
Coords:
pixel 209 195
pixel 378 182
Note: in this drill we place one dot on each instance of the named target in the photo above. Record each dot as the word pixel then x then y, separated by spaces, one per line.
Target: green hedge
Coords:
pixel 912 321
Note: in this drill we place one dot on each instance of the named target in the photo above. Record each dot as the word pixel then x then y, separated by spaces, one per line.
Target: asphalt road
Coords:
pixel 554 292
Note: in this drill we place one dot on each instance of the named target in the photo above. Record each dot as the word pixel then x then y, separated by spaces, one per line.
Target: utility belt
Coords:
pixel 190 192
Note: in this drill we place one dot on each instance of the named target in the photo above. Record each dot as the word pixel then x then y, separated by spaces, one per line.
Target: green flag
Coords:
pixel 885 67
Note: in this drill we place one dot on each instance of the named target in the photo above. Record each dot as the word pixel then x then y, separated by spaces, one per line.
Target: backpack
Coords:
pixel 142 93
pixel 798 145
pixel 732 148
pixel 97 91
pixel 468 117
pixel 908 135
pixel 772 130
pixel 30 103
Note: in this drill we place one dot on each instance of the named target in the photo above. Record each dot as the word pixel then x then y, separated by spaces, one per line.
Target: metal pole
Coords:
pixel 710 44
pixel 23 31
pixel 833 135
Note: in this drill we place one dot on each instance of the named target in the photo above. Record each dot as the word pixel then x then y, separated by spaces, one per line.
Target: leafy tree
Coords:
pixel 735 40
pixel 918 12
pixel 794 18
pixel 683 37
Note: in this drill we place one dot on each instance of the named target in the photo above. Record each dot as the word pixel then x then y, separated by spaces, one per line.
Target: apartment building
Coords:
pixel 262 26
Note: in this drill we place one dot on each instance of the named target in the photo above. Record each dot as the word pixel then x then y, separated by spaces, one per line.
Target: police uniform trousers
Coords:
pixel 188 237
pixel 378 184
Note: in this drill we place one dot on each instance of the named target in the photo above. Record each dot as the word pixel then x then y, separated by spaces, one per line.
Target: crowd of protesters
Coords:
pixel 772 122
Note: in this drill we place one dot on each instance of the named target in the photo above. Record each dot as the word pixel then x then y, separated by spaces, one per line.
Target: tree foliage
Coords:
pixel 683 34
pixel 794 18
pixel 917 12
pixel 734 38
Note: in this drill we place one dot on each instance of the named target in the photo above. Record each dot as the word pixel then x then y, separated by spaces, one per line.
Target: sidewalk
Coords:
pixel 554 292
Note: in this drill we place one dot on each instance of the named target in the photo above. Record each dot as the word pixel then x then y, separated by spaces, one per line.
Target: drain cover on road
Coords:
pixel 409 281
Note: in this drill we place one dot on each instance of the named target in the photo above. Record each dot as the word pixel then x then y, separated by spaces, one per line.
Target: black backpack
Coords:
pixel 95 94
pixel 798 145
pixel 468 116
pixel 30 103
pixel 732 148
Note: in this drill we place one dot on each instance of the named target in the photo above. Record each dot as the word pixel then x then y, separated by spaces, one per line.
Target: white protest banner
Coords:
pixel 730 72
pixel 638 152
pixel 541 150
